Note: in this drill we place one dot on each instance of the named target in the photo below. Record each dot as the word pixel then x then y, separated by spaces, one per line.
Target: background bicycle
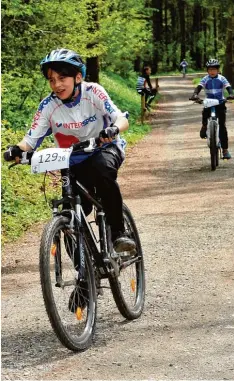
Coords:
pixel 212 132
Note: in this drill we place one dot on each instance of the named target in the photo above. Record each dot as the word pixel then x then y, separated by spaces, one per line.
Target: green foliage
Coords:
pixel 17 110
pixel 125 31
pixel 23 201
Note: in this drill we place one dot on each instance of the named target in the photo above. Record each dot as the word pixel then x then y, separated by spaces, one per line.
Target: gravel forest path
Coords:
pixel 185 216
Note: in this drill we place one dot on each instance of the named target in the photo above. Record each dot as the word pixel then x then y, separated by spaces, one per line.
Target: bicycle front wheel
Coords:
pixel 128 288
pixel 214 151
pixel 70 299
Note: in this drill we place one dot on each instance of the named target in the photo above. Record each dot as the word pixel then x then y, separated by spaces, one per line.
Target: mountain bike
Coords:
pixel 76 254
pixel 212 132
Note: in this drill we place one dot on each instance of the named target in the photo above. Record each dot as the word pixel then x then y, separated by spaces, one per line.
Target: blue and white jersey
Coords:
pixel 77 121
pixel 140 83
pixel 184 63
pixel 214 87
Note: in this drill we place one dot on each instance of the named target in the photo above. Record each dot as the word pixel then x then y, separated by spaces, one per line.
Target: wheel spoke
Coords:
pixel 129 287
pixel 70 301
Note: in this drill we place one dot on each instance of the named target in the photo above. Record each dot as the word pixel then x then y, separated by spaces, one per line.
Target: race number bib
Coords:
pixel 50 159
pixel 210 102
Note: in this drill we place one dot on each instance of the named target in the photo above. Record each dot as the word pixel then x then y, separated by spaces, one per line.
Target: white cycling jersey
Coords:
pixel 92 111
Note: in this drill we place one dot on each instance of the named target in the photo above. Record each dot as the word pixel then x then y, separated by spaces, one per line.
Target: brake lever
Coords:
pixel 23 160
pixel 17 161
pixel 12 165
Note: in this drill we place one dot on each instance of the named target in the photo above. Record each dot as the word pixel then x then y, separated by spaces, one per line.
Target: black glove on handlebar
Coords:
pixel 193 97
pixel 12 153
pixel 109 132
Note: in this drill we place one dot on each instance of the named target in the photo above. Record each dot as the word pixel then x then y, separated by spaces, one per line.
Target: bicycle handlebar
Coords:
pixel 200 101
pixel 25 159
pixel 196 100
pixel 85 146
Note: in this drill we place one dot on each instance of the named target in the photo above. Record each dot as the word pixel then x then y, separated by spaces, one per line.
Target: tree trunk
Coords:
pixel 204 28
pixel 137 64
pixel 174 33
pixel 92 63
pixel 229 64
pixel 92 74
pixel 215 33
pixel 157 32
pixel 181 5
pixel 166 32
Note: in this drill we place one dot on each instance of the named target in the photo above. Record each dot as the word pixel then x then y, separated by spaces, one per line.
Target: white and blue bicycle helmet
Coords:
pixel 213 63
pixel 63 55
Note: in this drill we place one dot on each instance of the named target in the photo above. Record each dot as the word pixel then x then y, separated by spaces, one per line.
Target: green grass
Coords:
pixel 23 202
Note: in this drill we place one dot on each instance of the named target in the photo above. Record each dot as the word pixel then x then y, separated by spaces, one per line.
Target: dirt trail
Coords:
pixel 185 217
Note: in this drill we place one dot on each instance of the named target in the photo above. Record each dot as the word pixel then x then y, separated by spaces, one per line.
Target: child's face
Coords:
pixel 212 71
pixel 148 71
pixel 62 86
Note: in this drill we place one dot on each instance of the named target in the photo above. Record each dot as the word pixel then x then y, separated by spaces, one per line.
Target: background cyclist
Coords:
pixel 76 111
pixel 214 84
pixel 184 65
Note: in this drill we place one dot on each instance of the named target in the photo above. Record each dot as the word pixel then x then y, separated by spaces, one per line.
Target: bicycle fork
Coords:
pixel 215 119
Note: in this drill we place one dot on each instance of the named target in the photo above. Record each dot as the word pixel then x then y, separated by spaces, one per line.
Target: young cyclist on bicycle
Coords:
pixel 214 84
pixel 184 65
pixel 76 111
pixel 144 86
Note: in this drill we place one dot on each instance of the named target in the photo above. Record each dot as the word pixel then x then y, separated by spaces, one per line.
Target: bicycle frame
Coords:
pixel 101 257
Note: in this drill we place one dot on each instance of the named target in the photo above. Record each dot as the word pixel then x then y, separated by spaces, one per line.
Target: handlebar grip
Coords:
pixel 12 153
pixel 81 145
pixel 24 159
pixel 98 141
pixel 196 100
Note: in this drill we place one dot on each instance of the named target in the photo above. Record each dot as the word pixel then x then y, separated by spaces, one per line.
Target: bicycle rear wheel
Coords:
pixel 214 151
pixel 128 288
pixel 70 299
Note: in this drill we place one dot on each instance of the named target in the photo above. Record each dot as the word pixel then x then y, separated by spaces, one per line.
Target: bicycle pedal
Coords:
pixel 114 255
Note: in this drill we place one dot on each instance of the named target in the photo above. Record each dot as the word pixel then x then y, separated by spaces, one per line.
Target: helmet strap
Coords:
pixel 76 87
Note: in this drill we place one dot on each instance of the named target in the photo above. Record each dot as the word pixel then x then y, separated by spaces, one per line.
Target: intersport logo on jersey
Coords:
pixel 74 125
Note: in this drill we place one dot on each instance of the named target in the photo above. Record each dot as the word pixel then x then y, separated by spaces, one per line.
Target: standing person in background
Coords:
pixel 144 86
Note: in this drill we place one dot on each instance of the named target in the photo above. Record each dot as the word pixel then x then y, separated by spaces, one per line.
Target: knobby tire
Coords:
pixel 214 151
pixel 130 310
pixel 73 341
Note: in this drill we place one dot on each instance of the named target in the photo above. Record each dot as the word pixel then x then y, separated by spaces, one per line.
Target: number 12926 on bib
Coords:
pixel 50 159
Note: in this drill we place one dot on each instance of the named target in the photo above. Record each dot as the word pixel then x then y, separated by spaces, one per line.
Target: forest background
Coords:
pixel 115 39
